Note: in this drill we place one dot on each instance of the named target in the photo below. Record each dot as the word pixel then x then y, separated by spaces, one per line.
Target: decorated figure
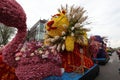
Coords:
pixel 32 61
pixel 66 32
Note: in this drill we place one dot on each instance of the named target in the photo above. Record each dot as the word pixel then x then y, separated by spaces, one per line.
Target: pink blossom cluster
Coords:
pixel 35 66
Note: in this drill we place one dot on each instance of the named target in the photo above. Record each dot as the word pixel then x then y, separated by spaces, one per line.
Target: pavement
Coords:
pixel 109 71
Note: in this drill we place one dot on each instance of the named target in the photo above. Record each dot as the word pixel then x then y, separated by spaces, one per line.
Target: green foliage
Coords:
pixel 5 34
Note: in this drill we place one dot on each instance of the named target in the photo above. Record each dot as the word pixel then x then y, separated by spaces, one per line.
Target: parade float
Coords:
pixel 63 54
pixel 98 48
pixel 66 32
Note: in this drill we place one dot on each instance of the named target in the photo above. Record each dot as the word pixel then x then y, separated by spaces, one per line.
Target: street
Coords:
pixel 109 71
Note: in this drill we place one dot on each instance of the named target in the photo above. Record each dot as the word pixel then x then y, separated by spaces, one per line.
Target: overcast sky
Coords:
pixel 104 15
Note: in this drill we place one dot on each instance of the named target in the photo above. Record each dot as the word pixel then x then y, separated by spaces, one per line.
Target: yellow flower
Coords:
pixel 69 43
pixel 58 24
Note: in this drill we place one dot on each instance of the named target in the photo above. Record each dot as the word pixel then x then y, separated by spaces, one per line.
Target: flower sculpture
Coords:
pixel 67 33
pixel 33 61
pixel 66 28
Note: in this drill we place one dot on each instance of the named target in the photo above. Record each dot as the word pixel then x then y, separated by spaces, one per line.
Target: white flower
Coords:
pixel 40 51
pixel 77 25
pixel 64 37
pixel 46 52
pixel 52 40
pixel 23 49
pixel 63 32
pixel 58 47
pixel 44 56
pixel 72 28
pixel 17 58
pixel 63 47
pixel 72 34
pixel 32 54
pixel 57 37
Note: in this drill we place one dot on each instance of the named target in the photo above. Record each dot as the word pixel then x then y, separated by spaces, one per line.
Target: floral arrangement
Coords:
pixel 38 61
pixel 66 28
pixel 37 48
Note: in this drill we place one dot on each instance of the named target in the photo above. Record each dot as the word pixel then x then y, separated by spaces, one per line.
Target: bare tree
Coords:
pixel 6 34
